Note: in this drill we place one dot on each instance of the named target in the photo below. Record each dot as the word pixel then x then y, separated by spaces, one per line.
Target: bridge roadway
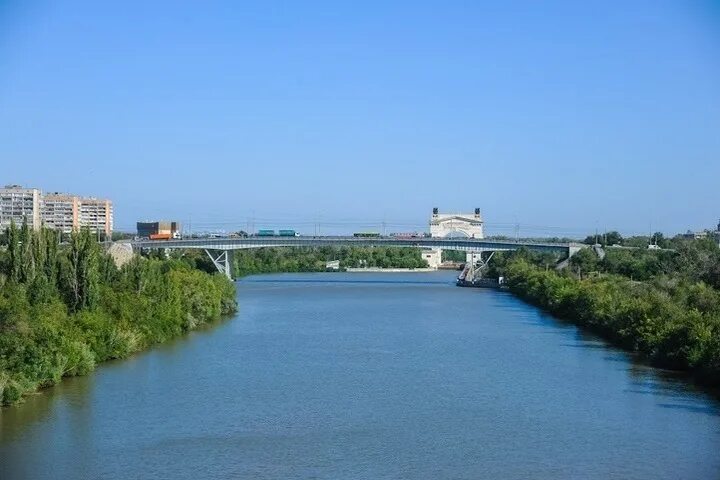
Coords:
pixel 218 249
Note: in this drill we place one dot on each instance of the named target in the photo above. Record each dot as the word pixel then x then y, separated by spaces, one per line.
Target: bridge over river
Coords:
pixel 220 249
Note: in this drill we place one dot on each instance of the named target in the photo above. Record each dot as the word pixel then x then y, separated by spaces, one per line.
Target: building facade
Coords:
pixel 61 212
pixel 456 224
pixel 58 211
pixel 468 225
pixel 18 204
pixel 162 227
pixel 96 214
pixel 66 213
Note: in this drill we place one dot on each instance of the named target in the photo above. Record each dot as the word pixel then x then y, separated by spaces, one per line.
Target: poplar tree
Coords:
pixel 13 252
pixel 81 277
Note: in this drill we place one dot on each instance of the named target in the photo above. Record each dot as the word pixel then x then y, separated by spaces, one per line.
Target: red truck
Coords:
pixel 160 236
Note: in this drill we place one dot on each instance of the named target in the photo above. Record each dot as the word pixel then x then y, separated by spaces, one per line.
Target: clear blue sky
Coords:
pixel 571 114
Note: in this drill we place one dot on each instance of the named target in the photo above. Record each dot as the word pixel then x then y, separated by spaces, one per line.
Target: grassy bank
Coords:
pixel 669 319
pixel 64 309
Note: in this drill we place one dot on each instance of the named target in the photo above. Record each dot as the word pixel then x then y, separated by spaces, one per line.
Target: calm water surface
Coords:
pixel 373 376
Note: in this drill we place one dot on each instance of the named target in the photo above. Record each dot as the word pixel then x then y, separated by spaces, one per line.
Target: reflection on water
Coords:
pixel 70 395
pixel 369 376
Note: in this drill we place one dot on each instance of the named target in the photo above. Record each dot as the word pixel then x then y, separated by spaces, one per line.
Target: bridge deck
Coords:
pixel 462 244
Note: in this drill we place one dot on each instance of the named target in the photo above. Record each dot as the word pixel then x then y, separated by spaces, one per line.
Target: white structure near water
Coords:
pixel 443 225
pixel 469 225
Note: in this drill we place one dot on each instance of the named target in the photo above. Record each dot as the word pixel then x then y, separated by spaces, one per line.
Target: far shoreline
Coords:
pixel 388 270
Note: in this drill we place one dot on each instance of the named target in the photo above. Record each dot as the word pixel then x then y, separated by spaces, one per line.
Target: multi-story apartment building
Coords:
pixel 96 214
pixel 59 211
pixel 20 204
pixel 66 213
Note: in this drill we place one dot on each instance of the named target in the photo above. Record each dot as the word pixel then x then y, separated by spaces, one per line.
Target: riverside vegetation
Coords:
pixel 65 308
pixel 664 305
pixel 274 260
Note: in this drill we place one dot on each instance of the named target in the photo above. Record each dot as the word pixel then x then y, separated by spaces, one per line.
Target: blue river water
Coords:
pixel 369 376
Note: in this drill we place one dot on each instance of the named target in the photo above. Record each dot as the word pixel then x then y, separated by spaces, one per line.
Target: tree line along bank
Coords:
pixel 64 308
pixel 663 305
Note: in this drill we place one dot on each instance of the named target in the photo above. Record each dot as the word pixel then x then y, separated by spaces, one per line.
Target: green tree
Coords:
pixel 81 271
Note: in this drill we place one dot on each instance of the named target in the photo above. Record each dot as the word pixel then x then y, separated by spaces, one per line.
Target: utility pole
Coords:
pixel 651 234
pixel 317 224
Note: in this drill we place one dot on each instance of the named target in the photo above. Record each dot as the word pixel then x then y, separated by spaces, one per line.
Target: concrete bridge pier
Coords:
pixel 433 257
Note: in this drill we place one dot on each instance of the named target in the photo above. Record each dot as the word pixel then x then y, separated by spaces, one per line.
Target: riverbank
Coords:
pixel 42 344
pixel 672 324
pixel 63 310
pixel 342 375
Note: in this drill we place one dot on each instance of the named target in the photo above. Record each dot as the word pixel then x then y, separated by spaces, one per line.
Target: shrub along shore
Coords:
pixel 672 317
pixel 66 308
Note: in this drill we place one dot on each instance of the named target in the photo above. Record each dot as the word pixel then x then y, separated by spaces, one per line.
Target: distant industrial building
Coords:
pixel 164 229
pixel 18 204
pixel 58 211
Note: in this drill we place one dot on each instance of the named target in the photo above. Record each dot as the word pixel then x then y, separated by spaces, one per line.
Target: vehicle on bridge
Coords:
pixel 366 235
pixel 406 235
pixel 280 233
pixel 161 236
